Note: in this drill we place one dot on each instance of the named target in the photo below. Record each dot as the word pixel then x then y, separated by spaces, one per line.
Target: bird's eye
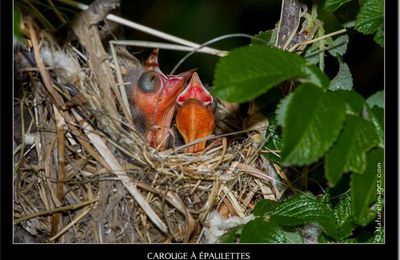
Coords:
pixel 149 82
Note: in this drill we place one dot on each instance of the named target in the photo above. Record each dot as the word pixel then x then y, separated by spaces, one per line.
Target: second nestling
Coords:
pixel 153 98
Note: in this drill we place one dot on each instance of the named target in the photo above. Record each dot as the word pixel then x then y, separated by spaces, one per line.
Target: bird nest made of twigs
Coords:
pixel 83 174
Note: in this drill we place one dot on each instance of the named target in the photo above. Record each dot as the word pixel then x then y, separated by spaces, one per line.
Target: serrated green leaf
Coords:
pixel 338 47
pixel 269 38
pixel 370 17
pixel 376 99
pixel 303 209
pixel 364 187
pixel 282 108
pixel 312 122
pixel 262 231
pixel 344 217
pixel 379 36
pixel 377 117
pixel 265 207
pixel 348 154
pixel 333 5
pixel 343 79
pixel 247 72
pixel 354 101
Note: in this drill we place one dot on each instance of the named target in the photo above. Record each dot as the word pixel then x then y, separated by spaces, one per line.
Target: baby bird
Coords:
pixel 152 97
pixel 195 116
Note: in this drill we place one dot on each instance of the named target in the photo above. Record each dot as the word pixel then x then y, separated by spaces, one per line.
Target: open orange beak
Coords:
pixel 153 101
pixel 195 117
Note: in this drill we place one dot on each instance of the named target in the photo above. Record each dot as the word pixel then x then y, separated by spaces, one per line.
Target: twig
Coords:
pixel 56 210
pixel 211 137
pixel 159 45
pixel 57 12
pixel 39 62
pixel 317 39
pixel 73 222
pixel 61 167
pixel 125 102
pixel 89 37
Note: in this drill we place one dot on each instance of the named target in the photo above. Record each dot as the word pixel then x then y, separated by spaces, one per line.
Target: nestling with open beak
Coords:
pixel 195 116
pixel 152 98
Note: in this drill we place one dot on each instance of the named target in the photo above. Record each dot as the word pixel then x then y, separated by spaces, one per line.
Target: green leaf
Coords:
pixel 376 99
pixel 268 36
pixel 282 108
pixel 377 117
pixel 305 208
pixel 265 207
pixel 344 217
pixel 312 122
pixel 343 80
pixel 231 235
pixel 274 141
pixel 324 239
pixel 262 231
pixel 315 76
pixel 364 187
pixel 312 53
pixel 247 72
pixel 378 237
pixel 348 154
pixel 293 237
pixel 379 36
pixel 333 5
pixel 370 19
pixel 338 47
pixel 354 101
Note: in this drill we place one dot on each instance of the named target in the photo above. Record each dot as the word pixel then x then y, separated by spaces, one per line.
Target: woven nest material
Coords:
pixel 84 175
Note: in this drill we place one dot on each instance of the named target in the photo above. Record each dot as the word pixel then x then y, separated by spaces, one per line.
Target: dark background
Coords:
pixel 200 21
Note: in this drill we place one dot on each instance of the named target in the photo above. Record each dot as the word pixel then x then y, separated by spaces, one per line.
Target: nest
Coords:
pixel 84 175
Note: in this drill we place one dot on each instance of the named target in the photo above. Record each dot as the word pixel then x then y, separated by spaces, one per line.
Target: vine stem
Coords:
pixel 149 30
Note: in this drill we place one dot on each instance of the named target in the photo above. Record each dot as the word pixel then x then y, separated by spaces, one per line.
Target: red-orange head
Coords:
pixel 195 117
pixel 153 99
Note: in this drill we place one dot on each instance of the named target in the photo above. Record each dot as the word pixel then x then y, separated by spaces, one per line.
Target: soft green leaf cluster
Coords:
pixel 312 121
pixel 247 72
pixel 343 80
pixel 275 221
pixel 320 120
pixel 349 152
pixel 370 19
